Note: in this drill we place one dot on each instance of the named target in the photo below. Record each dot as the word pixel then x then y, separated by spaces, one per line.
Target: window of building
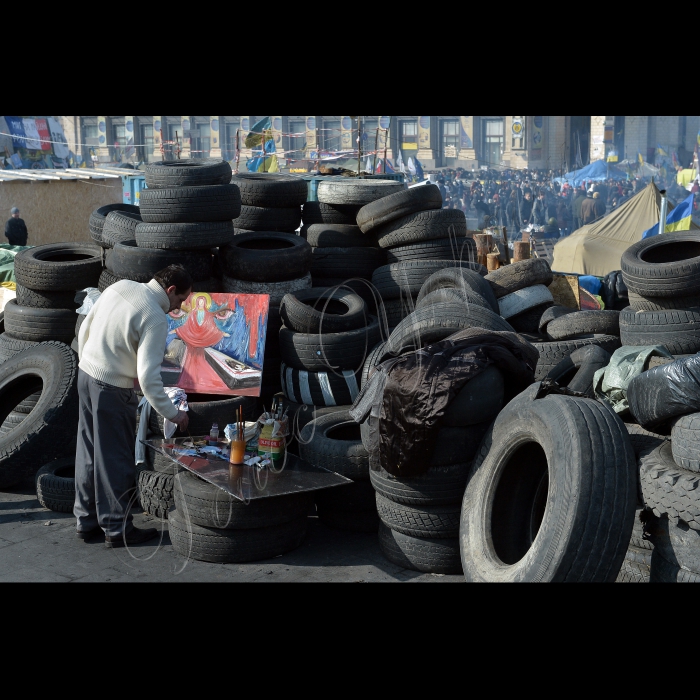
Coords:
pixel 145 147
pixel 118 142
pixel 492 141
pixel 409 132
pixel 449 137
pixel 228 143
pixel 295 144
pixel 330 136
pixel 200 144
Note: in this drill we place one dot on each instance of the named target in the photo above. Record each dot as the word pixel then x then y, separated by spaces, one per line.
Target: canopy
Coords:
pixel 596 249
pixel 642 170
pixel 597 171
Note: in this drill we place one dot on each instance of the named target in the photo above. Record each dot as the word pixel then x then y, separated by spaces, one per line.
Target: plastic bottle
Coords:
pixel 214 434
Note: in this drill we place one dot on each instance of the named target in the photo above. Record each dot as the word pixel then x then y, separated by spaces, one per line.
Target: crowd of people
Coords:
pixel 518 199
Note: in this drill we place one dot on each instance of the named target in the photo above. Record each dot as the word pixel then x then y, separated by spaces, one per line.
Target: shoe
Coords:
pixel 87 535
pixel 134 536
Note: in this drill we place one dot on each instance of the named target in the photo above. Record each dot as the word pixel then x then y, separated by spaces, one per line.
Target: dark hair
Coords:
pixel 174 275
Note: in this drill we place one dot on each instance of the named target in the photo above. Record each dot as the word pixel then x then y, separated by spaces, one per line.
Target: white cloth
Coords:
pixel 92 294
pixel 61 149
pixel 179 399
pixel 123 338
pixel 33 142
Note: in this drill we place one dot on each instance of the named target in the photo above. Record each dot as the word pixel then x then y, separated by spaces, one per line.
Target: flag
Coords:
pixel 255 136
pixel 640 158
pixel 411 166
pixel 389 166
pixel 677 220
pixel 368 167
pixel 661 152
pixel 674 157
pixel 698 139
pixel 399 163
pixel 264 163
pixel 419 170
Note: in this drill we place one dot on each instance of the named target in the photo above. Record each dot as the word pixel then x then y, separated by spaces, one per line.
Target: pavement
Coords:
pixel 39 545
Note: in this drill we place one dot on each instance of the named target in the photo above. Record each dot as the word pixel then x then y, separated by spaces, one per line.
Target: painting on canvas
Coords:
pixel 216 344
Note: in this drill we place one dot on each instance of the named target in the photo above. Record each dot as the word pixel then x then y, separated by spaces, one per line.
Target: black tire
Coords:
pixel 201 234
pixel 187 173
pixel 11 422
pixel 319 388
pixel 333 442
pixel 276 290
pixel 233 546
pixel 463 280
pixel 402 279
pixel 356 193
pixel 59 267
pixel 552 313
pixel 329 352
pixel 37 325
pixel 685 442
pixel 55 485
pixel 301 415
pixel 205 409
pixel 271 189
pixel 679 546
pixel 438 486
pixel 107 279
pixel 336 236
pixel 554 513
pixel 363 288
pixel 640 303
pixel 119 226
pixel 427 520
pixel 668 488
pixel 268 219
pixel 435 323
pixel 516 276
pixel 449 296
pixel 419 553
pixel 577 370
pixel 323 311
pixel 371 362
pixel 397 206
pixel 9 347
pixel 645 524
pixel 172 205
pixel 529 321
pixel 267 256
pixel 663 266
pixel 140 264
pixel 45 299
pixel 551 354
pixel 663 571
pixel 481 399
pixel 213 285
pixel 584 322
pixel 677 330
pixel 349 520
pixel 208 506
pixel 355 497
pixel 422 226
pixel 643 440
pixel 523 300
pixel 321 213
pixel 351 262
pixel 396 311
pixel 456 249
pixel 155 492
pixel 636 566
pixel 97 218
pixel 49 431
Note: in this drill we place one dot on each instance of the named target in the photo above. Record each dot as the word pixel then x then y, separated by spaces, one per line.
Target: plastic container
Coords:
pixel 214 434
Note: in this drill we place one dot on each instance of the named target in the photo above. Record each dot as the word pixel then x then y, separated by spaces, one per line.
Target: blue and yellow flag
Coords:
pixel 677 220
pixel 661 152
pixel 264 161
pixel 698 138
pixel 255 136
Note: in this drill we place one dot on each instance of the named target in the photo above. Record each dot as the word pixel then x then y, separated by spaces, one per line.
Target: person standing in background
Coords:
pixel 16 229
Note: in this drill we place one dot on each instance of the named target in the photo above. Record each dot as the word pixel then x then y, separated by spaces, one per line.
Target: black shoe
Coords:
pixel 87 535
pixel 134 536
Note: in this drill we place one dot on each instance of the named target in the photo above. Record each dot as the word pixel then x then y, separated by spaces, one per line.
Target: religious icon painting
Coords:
pixel 216 344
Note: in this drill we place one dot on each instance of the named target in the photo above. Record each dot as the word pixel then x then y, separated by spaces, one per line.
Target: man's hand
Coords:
pixel 182 420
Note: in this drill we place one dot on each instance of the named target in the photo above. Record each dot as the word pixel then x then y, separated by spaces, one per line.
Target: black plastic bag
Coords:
pixel 614 291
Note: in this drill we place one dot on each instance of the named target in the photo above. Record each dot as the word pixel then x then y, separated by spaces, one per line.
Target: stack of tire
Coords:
pixel 210 525
pixel 412 226
pixel 333 442
pixel 265 257
pixel 420 515
pixel 346 254
pixel 662 275
pixel 324 341
pixel 186 211
pixel 155 477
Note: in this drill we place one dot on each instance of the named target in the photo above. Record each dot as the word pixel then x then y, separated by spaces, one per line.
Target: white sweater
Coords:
pixel 123 337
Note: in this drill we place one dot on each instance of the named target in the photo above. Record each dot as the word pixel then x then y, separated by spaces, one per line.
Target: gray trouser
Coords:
pixel 104 459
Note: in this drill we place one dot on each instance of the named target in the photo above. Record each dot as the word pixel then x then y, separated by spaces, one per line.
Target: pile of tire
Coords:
pixel 326 336
pixel 662 275
pixel 208 524
pixel 185 213
pixel 155 477
pixel 333 442
pixel 420 515
pixel 342 253
pixel 270 260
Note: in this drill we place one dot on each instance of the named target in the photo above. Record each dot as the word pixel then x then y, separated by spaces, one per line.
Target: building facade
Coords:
pixel 471 142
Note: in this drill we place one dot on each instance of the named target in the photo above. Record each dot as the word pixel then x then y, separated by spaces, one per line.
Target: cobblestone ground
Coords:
pixel 37 544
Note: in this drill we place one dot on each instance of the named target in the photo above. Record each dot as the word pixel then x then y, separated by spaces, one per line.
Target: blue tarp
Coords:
pixel 597 171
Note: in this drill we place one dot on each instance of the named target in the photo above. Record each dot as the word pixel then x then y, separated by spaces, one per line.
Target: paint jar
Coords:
pixel 270 443
pixel 237 454
pixel 214 434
